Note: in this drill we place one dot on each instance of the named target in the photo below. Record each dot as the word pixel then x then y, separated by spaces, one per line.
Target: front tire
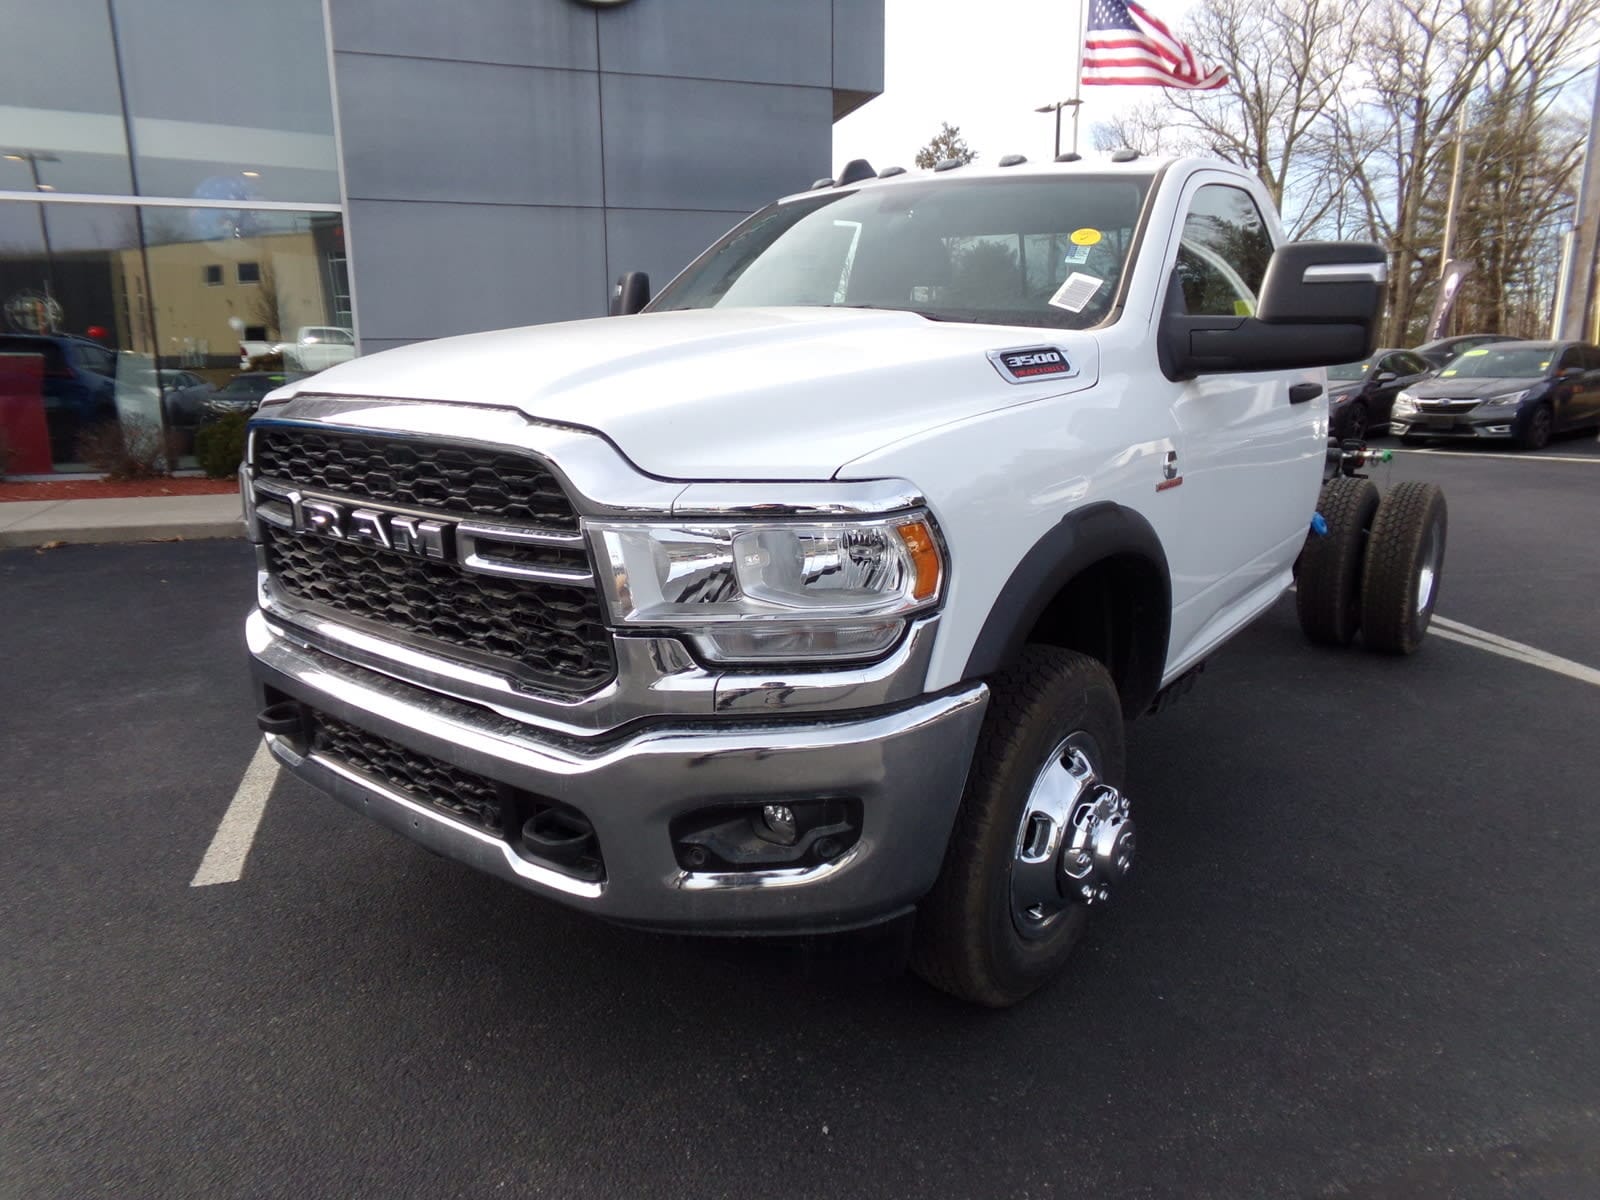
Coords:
pixel 998 923
pixel 1535 434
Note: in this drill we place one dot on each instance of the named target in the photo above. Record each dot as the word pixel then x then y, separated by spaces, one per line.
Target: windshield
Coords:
pixel 1029 251
pixel 1346 372
pixel 1501 362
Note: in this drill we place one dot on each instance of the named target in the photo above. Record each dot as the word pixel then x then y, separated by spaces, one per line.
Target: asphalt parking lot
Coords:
pixel 1361 954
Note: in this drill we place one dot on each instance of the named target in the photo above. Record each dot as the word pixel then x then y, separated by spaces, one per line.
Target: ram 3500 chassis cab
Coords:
pixel 819 592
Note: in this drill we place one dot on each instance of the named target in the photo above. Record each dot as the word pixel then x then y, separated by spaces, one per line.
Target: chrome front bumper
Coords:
pixel 906 764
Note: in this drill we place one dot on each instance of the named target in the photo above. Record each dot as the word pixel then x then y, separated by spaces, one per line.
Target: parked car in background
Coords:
pixel 1360 394
pixel 183 398
pixel 251 350
pixel 1439 353
pixel 318 347
pixel 1525 391
pixel 243 392
pixel 80 385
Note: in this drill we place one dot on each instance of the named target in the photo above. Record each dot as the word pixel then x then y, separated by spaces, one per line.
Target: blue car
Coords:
pixel 80 387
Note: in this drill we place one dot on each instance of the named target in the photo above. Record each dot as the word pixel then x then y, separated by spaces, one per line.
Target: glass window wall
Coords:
pixel 153 321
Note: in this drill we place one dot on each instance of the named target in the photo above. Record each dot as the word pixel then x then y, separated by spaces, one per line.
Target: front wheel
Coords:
pixel 1535 434
pixel 1042 832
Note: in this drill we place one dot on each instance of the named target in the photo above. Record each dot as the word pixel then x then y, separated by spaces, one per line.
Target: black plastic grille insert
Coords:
pixel 552 634
pixel 463 794
pixel 439 476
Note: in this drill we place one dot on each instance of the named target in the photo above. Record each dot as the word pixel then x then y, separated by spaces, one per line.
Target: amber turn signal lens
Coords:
pixel 924 552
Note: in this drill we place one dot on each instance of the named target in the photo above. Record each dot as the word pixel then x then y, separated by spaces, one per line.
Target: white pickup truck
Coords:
pixel 817 593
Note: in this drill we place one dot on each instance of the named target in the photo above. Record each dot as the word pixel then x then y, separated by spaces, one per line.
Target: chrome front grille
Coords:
pixel 467 552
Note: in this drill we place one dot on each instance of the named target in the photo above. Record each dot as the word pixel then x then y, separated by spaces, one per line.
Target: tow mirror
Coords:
pixel 1319 306
pixel 630 293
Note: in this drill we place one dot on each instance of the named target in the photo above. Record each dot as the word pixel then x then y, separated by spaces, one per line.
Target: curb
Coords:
pixel 79 522
pixel 155 531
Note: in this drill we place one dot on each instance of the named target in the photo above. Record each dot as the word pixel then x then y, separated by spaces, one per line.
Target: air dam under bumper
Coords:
pixel 907 766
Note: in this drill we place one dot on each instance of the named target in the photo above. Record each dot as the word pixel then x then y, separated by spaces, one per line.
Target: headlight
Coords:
pixel 1508 399
pixel 745 592
pixel 1405 402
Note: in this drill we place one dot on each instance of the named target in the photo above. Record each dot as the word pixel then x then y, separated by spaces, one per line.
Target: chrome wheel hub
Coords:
pixel 1075 839
pixel 1428 573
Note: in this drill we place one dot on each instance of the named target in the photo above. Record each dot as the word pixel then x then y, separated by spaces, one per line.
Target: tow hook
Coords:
pixel 1099 852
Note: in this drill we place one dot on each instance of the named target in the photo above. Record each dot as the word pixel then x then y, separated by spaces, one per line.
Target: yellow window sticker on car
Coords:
pixel 1243 308
pixel 1085 237
pixel 1474 354
pixel 1446 374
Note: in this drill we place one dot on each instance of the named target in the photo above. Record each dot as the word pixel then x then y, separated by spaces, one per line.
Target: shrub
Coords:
pixel 130 449
pixel 219 445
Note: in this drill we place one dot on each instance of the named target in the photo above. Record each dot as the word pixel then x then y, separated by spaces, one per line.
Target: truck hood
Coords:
pixel 773 393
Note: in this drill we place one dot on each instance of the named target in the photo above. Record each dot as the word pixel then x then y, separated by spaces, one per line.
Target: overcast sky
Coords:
pixel 984 65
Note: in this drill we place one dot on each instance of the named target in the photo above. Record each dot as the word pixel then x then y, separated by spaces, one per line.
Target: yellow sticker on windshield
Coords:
pixel 1474 353
pixel 1243 308
pixel 1446 374
pixel 1085 237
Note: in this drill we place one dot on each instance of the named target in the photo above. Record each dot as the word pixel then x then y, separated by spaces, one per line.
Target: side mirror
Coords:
pixel 1569 372
pixel 630 293
pixel 1319 306
pixel 1385 377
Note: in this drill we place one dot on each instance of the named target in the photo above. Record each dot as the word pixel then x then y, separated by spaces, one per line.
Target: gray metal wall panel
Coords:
pixel 431 270
pixel 705 144
pixel 661 241
pixel 858 45
pixel 533 33
pixel 787 42
pixel 418 129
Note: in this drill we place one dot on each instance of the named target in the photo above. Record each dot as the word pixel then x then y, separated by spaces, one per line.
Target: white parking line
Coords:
pixel 230 846
pixel 1455 631
pixel 1498 454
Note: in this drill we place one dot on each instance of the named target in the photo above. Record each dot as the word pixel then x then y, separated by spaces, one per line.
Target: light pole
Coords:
pixel 33 158
pixel 1056 108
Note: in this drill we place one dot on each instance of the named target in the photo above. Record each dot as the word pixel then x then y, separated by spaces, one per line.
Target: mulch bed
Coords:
pixel 105 489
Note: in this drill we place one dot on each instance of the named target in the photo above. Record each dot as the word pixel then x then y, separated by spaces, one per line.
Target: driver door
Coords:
pixel 1250 459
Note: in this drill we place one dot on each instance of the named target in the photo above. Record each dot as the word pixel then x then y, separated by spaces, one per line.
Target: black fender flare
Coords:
pixel 1081 539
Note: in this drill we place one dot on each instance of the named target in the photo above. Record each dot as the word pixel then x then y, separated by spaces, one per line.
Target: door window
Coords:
pixel 1571 357
pixel 1223 254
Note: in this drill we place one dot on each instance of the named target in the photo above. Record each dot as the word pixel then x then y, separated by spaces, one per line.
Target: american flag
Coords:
pixel 1125 44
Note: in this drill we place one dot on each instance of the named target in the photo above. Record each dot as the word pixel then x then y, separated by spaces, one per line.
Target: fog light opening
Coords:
pixel 761 836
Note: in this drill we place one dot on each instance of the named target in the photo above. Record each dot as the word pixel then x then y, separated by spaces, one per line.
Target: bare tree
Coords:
pixel 266 306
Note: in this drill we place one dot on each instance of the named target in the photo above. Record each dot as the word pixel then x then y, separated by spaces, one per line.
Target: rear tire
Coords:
pixel 1328 595
pixel 969 940
pixel 1405 561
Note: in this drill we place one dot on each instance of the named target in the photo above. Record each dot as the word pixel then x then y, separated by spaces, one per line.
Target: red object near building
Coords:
pixel 22 423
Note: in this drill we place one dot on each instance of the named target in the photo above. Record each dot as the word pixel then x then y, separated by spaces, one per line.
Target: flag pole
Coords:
pixel 1077 69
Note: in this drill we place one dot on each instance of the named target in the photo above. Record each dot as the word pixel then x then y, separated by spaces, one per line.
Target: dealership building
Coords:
pixel 183 178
